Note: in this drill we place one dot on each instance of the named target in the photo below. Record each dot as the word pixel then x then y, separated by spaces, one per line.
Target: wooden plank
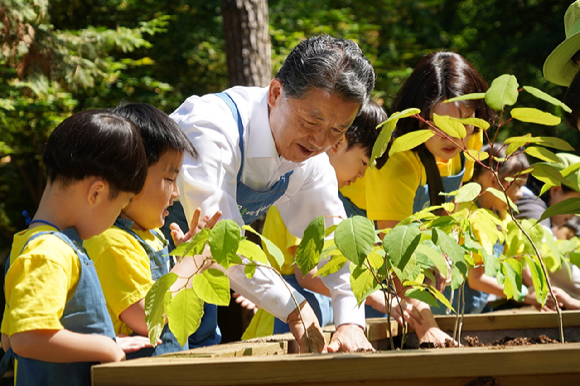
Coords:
pixel 342 369
pixel 237 349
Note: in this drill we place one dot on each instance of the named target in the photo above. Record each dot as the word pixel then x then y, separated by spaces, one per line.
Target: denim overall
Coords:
pixel 451 183
pixel 85 313
pixel 350 208
pixel 253 204
pixel 159 265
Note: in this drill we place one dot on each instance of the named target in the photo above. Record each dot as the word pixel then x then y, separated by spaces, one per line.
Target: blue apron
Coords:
pixel 159 264
pixel 451 183
pixel 251 203
pixel 85 313
pixel 350 208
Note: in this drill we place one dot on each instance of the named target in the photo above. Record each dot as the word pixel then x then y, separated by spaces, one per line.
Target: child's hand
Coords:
pixel 245 303
pixel 131 344
pixel 314 332
pixel 195 226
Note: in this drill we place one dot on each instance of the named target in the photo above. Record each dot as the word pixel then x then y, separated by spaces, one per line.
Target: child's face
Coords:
pixel 514 192
pixel 148 209
pixel 350 164
pixel 442 148
pixel 557 195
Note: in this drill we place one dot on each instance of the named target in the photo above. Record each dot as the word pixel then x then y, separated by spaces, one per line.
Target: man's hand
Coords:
pixel 349 338
pixel 317 342
pixel 195 226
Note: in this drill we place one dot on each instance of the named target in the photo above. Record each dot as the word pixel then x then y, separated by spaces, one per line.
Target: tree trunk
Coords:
pixel 247 42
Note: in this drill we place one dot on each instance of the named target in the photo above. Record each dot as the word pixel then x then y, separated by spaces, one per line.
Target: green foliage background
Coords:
pixel 64 56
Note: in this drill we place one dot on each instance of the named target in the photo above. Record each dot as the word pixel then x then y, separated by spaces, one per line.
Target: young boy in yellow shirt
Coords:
pixel 55 316
pixel 132 255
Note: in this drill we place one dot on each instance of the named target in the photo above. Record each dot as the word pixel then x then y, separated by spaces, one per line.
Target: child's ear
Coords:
pixel 98 190
pixel 341 142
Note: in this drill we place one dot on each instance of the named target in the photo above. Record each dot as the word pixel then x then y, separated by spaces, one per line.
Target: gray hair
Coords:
pixel 329 64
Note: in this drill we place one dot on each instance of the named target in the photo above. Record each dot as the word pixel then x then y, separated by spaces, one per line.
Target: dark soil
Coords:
pixel 469 341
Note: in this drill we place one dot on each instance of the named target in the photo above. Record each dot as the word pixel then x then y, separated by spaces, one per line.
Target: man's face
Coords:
pixel 303 128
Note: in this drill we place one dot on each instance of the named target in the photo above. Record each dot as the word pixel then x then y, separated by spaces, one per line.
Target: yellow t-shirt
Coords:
pixel 390 191
pixel 123 268
pixel 275 230
pixel 39 282
pixel 356 192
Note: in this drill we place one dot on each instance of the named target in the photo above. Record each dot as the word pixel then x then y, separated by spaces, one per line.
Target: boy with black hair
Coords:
pixel 130 256
pixel 55 316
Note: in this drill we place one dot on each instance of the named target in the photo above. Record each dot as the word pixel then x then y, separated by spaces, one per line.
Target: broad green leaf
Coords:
pixel 432 252
pixel 477 122
pixel 362 283
pixel 448 126
pixel 548 174
pixel 466 97
pixel 253 252
pixel 224 240
pixel 548 98
pixel 376 260
pixel 400 243
pixel 212 286
pixel 439 296
pixel 500 195
pixel 410 141
pixel 531 115
pixel 542 153
pixel 503 91
pixel 329 230
pixel 333 265
pixel 491 263
pixel 512 285
pixel 451 248
pixel 570 169
pixel 422 295
pixel 382 141
pixel 552 142
pixel 193 247
pixel 568 206
pixel 514 240
pixel 410 271
pixel 468 192
pixel 470 241
pixel 457 278
pixel 471 154
pixel 538 279
pixel 310 247
pixel 402 114
pixel 270 247
pixel 250 270
pixel 184 313
pixel 355 238
pixel 155 306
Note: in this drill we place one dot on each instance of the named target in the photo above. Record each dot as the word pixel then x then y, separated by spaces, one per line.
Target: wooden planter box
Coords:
pixel 265 361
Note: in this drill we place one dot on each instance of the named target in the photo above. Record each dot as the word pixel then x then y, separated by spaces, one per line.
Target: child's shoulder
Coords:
pixel 39 241
pixel 113 237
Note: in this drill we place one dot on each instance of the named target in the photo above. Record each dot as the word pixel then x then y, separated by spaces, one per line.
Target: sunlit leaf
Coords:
pixel 382 141
pixel 491 263
pixel 362 283
pixel 212 286
pixel 422 295
pixel 538 279
pixel 193 247
pixel 355 238
pixel 500 195
pixel 272 249
pixel 410 141
pixel 333 265
pixel 311 245
pixel 400 243
pixel 548 174
pixel 250 270
pixel 512 285
pixel 477 122
pixel 531 115
pixel 184 313
pixel 253 252
pixel 433 253
pixel 503 91
pixel 155 306
pixel 468 192
pixel 548 98
pixel 224 240
pixel 568 206
pixel 451 248
pixel 542 153
pixel 466 97
pixel 448 126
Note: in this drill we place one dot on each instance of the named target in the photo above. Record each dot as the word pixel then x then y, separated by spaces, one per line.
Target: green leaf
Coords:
pixel 155 306
pixel 457 278
pixel 224 240
pixel 422 295
pixel 467 97
pixel 451 248
pixel 450 127
pixel 400 243
pixel 491 263
pixel 433 253
pixel 468 192
pixel 382 142
pixel 548 174
pixel 474 154
pixel 270 247
pixel 568 206
pixel 477 122
pixel 538 279
pixel 332 266
pixel 503 91
pixel 252 251
pixel 310 247
pixel 193 247
pixel 330 229
pixel 542 153
pixel 410 271
pixel 530 115
pixel 212 286
pixel 500 195
pixel 355 238
pixel 548 98
pixel 552 142
pixel 362 283
pixel 410 141
pixel 184 314
pixel 375 259
pixel 250 270
pixel 512 286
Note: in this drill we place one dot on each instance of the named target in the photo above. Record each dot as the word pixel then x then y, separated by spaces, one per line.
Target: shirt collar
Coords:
pixel 259 140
